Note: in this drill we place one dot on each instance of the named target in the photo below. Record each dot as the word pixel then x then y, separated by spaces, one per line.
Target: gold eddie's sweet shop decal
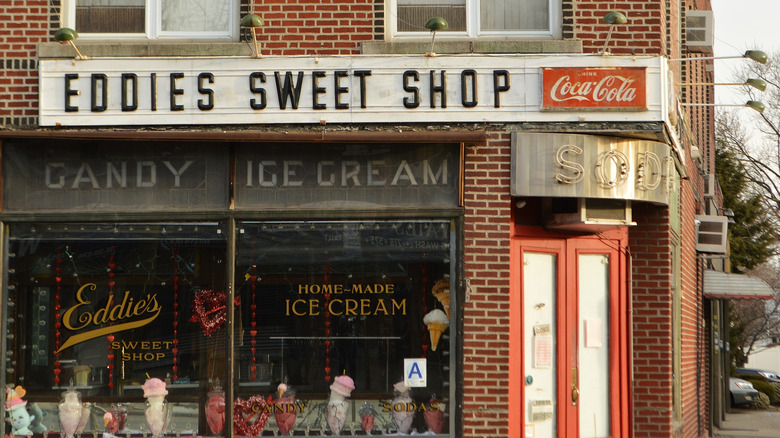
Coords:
pixel 130 313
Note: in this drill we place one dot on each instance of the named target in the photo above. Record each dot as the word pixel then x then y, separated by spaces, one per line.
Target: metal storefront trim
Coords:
pixel 280 135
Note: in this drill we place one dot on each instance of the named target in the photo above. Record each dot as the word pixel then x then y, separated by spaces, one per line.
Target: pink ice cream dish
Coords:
pixel 154 387
pixel 343 385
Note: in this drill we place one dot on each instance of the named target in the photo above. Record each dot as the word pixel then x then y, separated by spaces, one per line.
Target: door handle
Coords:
pixel 575 394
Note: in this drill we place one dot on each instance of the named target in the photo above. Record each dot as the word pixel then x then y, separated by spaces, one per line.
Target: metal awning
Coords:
pixel 721 285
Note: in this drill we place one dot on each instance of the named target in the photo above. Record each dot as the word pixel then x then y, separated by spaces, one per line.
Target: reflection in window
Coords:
pixel 323 300
pixel 479 17
pixel 131 317
pixel 152 18
pixel 102 308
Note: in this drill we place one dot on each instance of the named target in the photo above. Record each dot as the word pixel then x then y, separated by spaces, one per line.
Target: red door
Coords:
pixel 571 308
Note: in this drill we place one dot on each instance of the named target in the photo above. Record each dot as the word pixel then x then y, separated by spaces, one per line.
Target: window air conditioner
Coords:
pixel 586 214
pixel 698 30
pixel 710 184
pixel 712 234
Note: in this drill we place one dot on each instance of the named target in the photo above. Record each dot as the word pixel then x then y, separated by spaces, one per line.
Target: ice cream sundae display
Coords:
pixel 16 408
pixel 285 410
pixel 70 412
pixel 158 411
pixel 441 290
pixel 437 322
pixel 114 419
pixel 434 415
pixel 338 405
pixel 215 409
pixel 402 418
pixel 367 416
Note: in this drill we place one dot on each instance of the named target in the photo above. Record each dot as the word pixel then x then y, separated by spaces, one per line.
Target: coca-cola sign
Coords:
pixel 594 88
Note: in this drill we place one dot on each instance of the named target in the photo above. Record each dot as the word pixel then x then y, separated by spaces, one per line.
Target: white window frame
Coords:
pixel 553 30
pixel 154 25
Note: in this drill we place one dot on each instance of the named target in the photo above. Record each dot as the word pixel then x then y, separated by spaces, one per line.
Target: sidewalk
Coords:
pixel 763 423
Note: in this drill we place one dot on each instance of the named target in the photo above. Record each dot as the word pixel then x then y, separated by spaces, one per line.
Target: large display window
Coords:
pixel 339 327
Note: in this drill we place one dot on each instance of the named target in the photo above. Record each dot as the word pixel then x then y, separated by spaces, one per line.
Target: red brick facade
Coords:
pixel 340 27
pixel 486 313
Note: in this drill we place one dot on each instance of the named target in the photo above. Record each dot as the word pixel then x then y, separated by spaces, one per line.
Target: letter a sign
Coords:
pixel 415 373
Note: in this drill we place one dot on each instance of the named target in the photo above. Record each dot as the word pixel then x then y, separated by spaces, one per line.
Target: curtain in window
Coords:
pixel 513 15
pixel 110 16
pixel 413 14
pixel 195 15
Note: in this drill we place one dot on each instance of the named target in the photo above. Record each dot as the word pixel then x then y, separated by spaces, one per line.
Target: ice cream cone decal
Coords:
pixel 441 290
pixel 437 322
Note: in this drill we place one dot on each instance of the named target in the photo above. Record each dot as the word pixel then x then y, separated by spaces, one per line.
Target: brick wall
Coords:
pixel 22 26
pixel 486 265
pixel 696 339
pixel 321 27
pixel 644 34
pixel 652 321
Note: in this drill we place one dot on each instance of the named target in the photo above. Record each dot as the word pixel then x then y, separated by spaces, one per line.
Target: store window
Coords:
pixel 98 309
pixel 191 19
pixel 339 326
pixel 479 18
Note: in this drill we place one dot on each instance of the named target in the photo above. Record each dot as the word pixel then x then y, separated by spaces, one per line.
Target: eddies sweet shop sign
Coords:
pixel 350 89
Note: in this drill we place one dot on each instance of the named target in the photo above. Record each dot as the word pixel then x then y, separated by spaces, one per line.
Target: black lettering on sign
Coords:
pixel 287 90
pixel 414 101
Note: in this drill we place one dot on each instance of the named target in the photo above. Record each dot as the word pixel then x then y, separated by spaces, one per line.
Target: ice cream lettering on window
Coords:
pixel 348 300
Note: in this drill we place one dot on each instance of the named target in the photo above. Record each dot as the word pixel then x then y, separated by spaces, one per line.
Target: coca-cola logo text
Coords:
pixel 610 89
pixel 593 88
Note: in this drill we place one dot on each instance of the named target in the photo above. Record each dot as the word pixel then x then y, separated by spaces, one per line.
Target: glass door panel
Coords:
pixel 539 325
pixel 593 345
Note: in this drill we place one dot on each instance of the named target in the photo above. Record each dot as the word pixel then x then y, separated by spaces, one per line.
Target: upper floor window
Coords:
pixel 152 19
pixel 478 18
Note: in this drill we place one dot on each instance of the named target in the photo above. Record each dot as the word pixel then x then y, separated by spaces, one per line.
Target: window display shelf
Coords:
pixel 171 386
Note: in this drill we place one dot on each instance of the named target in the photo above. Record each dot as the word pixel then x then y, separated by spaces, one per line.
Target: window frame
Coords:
pixel 153 25
pixel 553 31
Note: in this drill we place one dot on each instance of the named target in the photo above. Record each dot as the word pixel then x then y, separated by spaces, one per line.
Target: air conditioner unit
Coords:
pixel 588 215
pixel 698 30
pixel 712 234
pixel 710 185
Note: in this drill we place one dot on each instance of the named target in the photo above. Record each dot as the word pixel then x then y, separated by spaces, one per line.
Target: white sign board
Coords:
pixel 416 373
pixel 322 90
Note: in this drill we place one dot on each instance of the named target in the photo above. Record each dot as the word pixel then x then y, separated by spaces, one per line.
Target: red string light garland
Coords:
pixel 424 272
pixel 253 324
pixel 110 337
pixel 326 297
pixel 57 315
pixel 175 349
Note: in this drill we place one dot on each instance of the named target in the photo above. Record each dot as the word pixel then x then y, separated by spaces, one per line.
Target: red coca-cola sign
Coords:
pixel 600 88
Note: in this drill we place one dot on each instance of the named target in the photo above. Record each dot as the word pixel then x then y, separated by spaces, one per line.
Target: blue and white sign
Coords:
pixel 416 373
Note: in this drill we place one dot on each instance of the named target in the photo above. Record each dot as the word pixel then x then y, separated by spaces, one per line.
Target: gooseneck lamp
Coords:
pixel 253 21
